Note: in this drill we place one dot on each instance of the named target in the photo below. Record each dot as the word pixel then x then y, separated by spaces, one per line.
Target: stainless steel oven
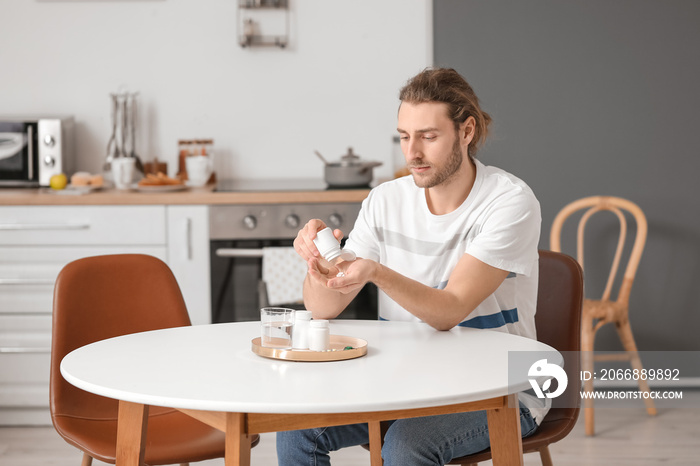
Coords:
pixel 238 234
pixel 33 149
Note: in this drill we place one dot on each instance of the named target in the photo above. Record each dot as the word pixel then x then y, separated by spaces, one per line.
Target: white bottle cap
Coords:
pixel 302 315
pixel 319 323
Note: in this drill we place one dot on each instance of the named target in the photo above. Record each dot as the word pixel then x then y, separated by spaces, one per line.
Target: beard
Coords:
pixel 439 175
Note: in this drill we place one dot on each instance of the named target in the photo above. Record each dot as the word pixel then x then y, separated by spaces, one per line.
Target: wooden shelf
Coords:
pixel 251 17
pixel 262 4
pixel 252 41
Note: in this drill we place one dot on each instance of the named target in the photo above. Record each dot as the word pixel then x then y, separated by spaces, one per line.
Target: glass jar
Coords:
pixel 207 147
pixel 184 146
pixel 196 148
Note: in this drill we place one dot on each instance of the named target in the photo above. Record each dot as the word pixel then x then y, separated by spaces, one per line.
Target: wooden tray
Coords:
pixel 338 342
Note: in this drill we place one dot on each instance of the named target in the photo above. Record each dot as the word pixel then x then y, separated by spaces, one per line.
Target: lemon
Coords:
pixel 58 181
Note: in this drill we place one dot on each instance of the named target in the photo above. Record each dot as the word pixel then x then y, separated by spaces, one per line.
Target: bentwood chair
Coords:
pixel 558 323
pixel 106 296
pixel 597 313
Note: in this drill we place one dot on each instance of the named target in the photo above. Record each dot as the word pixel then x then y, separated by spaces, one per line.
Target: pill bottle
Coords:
pixel 319 335
pixel 329 247
pixel 300 334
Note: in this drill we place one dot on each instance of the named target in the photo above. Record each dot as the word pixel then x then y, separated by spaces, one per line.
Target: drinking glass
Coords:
pixel 276 327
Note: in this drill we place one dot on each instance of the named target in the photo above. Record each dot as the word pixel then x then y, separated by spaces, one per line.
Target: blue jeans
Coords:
pixel 423 441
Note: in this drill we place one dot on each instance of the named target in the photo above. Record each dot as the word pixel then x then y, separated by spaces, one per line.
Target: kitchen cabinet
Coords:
pixel 188 257
pixel 37 241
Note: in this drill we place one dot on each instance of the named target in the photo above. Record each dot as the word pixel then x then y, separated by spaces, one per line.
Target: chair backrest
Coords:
pixel 101 297
pixel 615 205
pixel 558 322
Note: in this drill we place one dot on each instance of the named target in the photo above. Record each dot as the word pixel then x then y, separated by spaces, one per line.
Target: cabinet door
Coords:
pixel 188 257
pixel 82 225
pixel 25 345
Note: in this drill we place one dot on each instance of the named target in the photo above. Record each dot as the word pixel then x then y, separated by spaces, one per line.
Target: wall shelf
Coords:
pixel 252 14
pixel 262 4
pixel 257 41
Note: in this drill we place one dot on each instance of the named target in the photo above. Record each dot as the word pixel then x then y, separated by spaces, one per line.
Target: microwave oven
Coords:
pixel 33 149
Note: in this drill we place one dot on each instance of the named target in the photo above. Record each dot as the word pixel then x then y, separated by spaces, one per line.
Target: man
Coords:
pixel 453 244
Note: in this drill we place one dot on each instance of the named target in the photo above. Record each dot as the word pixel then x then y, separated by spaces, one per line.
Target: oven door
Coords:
pixel 238 291
pixel 18 154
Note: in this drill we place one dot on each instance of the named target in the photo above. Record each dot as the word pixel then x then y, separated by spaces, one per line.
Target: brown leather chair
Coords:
pixel 106 296
pixel 599 312
pixel 558 322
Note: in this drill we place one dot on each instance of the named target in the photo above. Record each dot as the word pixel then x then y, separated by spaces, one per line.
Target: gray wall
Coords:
pixel 597 97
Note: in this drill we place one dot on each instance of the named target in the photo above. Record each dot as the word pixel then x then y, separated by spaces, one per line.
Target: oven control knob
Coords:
pixel 292 221
pixel 49 161
pixel 250 222
pixel 335 220
pixel 49 140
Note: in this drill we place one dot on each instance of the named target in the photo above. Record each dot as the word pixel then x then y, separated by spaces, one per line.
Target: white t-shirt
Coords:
pixel 498 223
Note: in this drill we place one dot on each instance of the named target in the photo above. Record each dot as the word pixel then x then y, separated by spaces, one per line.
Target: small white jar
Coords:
pixel 300 334
pixel 319 335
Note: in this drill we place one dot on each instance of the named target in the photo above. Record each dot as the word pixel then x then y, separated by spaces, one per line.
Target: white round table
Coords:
pixel 211 373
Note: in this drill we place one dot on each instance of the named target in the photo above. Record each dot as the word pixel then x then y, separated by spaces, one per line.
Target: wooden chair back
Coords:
pixel 615 205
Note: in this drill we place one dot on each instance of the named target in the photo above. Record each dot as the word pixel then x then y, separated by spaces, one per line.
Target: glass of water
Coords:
pixel 276 326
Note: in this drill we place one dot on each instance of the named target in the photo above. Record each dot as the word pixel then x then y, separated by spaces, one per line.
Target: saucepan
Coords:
pixel 350 172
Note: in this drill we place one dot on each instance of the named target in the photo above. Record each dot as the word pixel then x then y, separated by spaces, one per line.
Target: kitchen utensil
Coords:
pixel 131 105
pixel 122 142
pixel 323 159
pixel 112 150
pixel 350 172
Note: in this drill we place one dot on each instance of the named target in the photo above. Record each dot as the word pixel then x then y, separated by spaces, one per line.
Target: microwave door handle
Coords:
pixel 30 150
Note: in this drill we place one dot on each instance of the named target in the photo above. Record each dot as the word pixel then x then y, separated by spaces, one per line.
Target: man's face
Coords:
pixel 429 142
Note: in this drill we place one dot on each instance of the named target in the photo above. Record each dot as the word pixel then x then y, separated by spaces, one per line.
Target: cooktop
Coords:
pixel 273 185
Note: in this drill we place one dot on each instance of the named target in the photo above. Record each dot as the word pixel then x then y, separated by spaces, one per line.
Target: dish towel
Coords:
pixel 283 271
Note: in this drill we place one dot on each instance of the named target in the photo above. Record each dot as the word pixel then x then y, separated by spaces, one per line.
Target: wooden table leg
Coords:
pixel 131 433
pixel 237 440
pixel 504 432
pixel 375 443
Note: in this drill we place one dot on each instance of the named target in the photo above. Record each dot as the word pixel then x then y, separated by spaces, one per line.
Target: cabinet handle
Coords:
pixel 14 349
pixel 44 226
pixel 188 233
pixel 27 281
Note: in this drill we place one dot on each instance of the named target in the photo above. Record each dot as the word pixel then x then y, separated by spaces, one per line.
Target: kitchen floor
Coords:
pixel 624 436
